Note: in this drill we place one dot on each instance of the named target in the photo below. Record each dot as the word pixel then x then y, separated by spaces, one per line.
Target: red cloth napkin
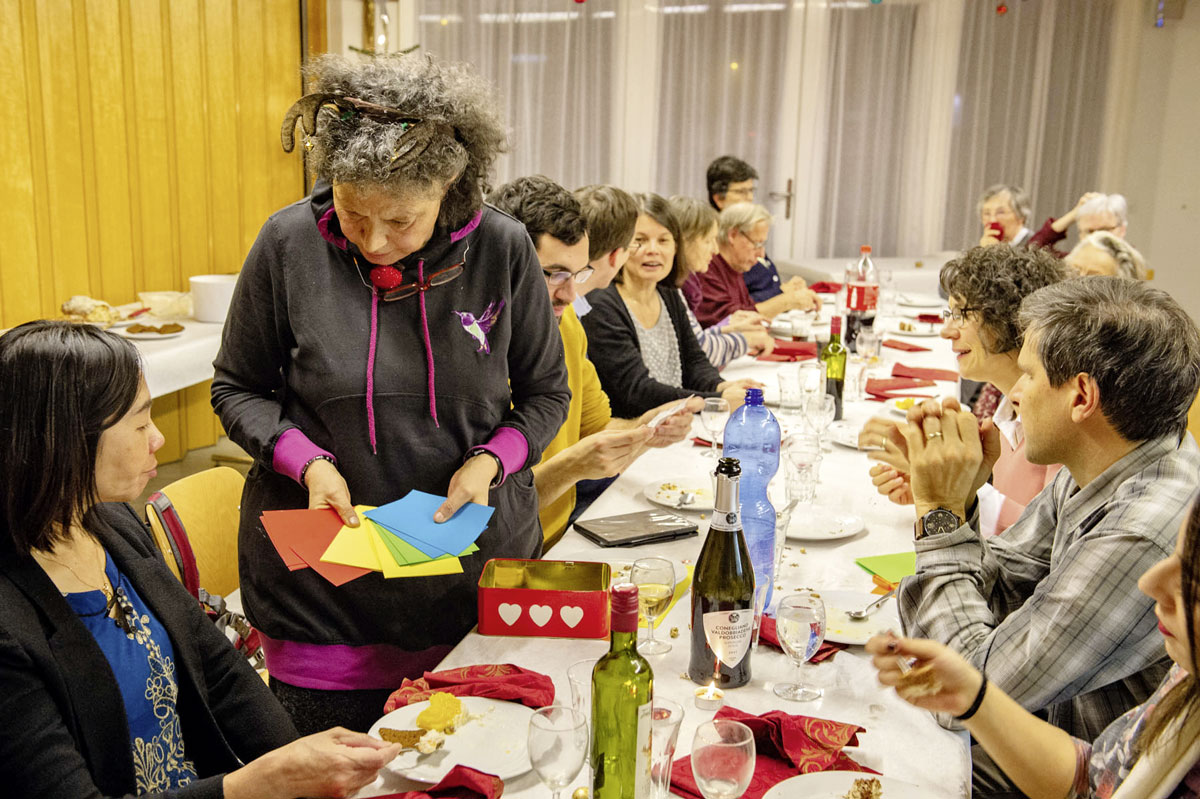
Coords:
pixel 884 386
pixel 931 318
pixel 786 351
pixel 904 345
pixel 494 680
pixel 462 782
pixel 786 746
pixel 768 634
pixel 697 441
pixel 900 370
pixel 825 287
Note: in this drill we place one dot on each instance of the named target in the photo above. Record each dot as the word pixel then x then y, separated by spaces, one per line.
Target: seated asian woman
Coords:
pixel 113 682
pixel 639 336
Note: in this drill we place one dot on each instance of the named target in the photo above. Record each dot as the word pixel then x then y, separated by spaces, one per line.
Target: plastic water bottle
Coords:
pixel 862 296
pixel 752 436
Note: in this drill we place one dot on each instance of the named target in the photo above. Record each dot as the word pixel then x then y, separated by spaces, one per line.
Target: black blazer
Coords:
pixel 63 730
pixel 613 349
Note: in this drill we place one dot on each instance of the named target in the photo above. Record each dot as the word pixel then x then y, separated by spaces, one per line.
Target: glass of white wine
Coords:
pixel 800 625
pixel 713 416
pixel 723 758
pixel 655 579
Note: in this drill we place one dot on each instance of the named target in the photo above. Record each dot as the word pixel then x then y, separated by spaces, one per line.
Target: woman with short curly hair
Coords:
pixel 986 286
pixel 388 333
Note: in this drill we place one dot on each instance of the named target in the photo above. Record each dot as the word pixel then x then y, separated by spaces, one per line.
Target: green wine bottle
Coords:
pixel 622 685
pixel 723 592
pixel 833 355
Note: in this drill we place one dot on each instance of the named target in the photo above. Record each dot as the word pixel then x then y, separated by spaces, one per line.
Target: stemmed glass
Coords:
pixel 800 625
pixel 714 416
pixel 655 579
pixel 723 758
pixel 819 411
pixel 558 745
pixel 802 454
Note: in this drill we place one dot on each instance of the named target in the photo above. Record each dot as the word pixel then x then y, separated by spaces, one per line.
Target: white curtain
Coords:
pixel 1029 107
pixel 549 60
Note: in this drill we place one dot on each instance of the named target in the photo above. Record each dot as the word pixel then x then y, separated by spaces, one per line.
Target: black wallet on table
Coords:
pixel 633 529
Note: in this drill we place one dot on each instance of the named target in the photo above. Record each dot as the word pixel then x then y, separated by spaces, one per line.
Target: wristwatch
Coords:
pixel 938 520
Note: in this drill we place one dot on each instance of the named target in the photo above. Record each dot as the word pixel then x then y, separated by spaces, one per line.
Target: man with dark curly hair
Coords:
pixel 1050 610
pixel 388 333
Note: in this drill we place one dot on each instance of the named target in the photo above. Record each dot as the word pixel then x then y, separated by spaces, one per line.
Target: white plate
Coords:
pixel 495 743
pixel 824 524
pixel 841 629
pixel 920 329
pixel 666 493
pixel 835 785
pixel 902 412
pixel 150 336
pixel 919 301
pixel 844 434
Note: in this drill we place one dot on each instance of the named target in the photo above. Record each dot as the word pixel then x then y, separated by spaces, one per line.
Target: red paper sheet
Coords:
pixel 308 534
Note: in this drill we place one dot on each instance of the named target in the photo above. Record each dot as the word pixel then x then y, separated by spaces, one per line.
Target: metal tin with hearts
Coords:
pixel 544 598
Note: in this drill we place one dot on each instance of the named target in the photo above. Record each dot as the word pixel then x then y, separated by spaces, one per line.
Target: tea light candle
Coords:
pixel 710 697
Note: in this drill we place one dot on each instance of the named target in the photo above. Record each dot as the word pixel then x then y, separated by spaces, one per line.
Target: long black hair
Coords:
pixel 61 386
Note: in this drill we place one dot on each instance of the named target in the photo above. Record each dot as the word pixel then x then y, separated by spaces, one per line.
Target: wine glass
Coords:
pixel 723 758
pixel 558 745
pixel 800 625
pixel 802 455
pixel 714 416
pixel 655 579
pixel 819 411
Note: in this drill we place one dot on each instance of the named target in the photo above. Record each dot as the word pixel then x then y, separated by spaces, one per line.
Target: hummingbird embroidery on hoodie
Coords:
pixel 479 326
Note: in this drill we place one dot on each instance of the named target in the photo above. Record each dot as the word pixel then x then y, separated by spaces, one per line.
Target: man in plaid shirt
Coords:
pixel 1050 610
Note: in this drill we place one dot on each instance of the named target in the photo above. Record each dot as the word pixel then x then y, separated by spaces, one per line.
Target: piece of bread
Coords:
pixel 406 738
pixel 865 789
pixel 919 682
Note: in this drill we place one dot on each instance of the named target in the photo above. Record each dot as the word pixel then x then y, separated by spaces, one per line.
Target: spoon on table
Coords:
pixel 859 615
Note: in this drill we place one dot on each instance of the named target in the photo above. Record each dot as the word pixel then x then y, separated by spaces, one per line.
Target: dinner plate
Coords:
pixel 824 524
pixel 150 336
pixel 844 434
pixel 667 493
pixel 920 301
pixel 836 784
pixel 919 329
pixel 841 629
pixel 494 743
pixel 901 410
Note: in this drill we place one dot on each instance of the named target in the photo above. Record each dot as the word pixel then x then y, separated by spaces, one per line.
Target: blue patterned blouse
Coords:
pixel 142 659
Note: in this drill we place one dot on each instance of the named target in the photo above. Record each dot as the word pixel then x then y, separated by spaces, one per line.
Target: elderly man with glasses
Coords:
pixel 591 445
pixel 731 180
pixel 741 240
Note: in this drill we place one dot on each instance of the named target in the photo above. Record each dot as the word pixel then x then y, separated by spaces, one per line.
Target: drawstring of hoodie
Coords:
pixel 428 344
pixel 371 371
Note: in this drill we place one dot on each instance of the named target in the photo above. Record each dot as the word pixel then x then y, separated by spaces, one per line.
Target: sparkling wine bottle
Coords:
pixel 622 686
pixel 723 592
pixel 833 355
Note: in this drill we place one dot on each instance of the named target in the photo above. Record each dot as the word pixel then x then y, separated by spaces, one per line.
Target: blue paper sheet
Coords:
pixel 411 519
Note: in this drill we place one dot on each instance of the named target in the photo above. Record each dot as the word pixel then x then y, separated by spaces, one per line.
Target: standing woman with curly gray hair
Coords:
pixel 388 333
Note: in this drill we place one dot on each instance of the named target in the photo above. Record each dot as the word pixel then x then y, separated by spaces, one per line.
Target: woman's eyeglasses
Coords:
pixel 562 276
pixel 438 278
pixel 957 315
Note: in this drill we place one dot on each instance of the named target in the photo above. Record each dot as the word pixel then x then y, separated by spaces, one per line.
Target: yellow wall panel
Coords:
pixel 143 148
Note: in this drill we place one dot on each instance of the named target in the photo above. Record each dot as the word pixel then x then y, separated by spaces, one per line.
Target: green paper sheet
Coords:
pixel 892 568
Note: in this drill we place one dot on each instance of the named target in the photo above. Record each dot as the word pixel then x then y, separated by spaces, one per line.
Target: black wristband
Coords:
pixel 499 478
pixel 304 471
pixel 974 708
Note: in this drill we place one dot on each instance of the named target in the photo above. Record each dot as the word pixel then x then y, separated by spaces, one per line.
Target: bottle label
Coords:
pixel 728 634
pixel 730 521
pixel 645 724
pixel 862 296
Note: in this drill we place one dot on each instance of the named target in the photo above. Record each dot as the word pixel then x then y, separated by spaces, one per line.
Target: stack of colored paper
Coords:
pixel 399 539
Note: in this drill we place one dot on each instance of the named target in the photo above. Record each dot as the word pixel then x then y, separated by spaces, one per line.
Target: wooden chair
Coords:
pixel 195 524
pixel 1194 419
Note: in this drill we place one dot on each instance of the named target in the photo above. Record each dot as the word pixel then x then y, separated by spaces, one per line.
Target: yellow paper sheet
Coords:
pixel 352 546
pixel 392 569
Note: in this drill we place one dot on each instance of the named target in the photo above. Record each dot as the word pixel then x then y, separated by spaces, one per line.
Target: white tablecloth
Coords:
pixel 176 363
pixel 901 742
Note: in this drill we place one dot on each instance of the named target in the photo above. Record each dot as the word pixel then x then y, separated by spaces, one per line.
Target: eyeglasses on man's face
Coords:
pixel 958 315
pixel 754 243
pixel 561 276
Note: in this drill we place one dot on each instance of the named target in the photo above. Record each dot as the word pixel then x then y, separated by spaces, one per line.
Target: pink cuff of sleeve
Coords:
pixel 292 451
pixel 510 446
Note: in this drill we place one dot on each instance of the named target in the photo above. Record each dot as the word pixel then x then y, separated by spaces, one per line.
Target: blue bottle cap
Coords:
pixel 754 396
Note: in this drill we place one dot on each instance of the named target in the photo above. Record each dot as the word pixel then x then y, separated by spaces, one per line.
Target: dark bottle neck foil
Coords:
pixel 624 599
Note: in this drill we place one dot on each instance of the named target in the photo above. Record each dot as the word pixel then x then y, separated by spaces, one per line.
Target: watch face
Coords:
pixel 940 520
